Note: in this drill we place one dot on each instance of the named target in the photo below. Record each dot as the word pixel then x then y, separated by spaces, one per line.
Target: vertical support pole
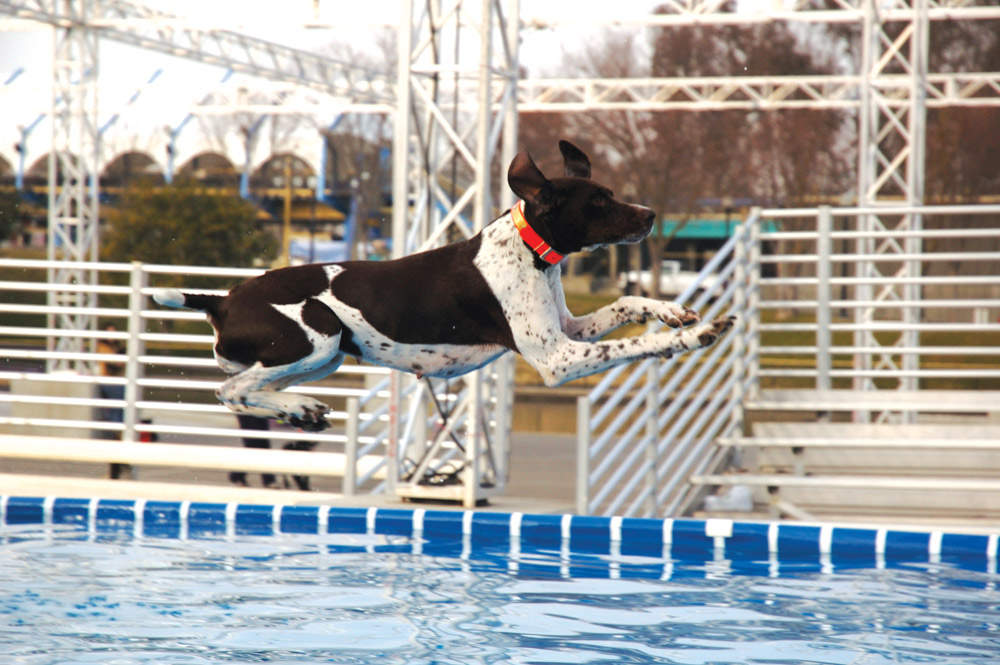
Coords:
pixel 740 365
pixel 652 435
pixel 134 349
pixel 472 478
pixel 481 214
pixel 582 455
pixel 73 172
pixel 401 131
pixel 915 167
pixel 349 486
pixel 752 307
pixel 824 338
pixel 393 434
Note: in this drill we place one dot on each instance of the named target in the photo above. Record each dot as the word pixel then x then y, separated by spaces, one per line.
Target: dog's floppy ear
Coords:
pixel 577 164
pixel 526 180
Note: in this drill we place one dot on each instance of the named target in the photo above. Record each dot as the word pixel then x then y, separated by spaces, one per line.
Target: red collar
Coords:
pixel 530 236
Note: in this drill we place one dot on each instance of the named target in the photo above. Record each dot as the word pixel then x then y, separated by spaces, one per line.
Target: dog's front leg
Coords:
pixel 629 309
pixel 625 310
pixel 562 359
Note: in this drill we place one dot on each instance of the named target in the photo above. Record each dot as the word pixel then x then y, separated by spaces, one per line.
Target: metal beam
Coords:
pixel 146 28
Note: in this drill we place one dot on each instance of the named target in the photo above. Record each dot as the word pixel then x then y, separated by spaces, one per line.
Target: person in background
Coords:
pixel 258 424
pixel 111 414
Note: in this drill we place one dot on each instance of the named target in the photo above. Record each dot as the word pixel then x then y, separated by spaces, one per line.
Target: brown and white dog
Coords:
pixel 447 311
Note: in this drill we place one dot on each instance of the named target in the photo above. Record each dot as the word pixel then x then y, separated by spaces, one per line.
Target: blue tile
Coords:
pixel 955 544
pixel 255 520
pixel 162 519
pixel 207 519
pixel 590 534
pixel 749 541
pixel 443 524
pixel 115 514
pixel 300 519
pixel 798 541
pixel 853 542
pixel 541 530
pixel 347 520
pixel 854 548
pixel 394 522
pixel 491 529
pixel 688 536
pixel 71 511
pixel 908 545
pixel 25 510
pixel 642 537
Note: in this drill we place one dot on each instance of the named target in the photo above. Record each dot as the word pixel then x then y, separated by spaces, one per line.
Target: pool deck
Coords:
pixel 542 468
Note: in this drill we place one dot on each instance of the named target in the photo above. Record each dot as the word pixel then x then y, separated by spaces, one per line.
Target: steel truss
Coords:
pixel 891 160
pixel 446 159
pixel 73 201
pixel 453 119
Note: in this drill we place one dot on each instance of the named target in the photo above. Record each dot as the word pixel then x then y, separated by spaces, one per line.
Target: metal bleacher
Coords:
pixel 873 394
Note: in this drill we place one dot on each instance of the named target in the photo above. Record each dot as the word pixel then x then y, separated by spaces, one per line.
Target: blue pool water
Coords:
pixel 122 583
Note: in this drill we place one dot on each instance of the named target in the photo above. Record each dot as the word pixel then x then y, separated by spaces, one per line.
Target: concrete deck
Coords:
pixel 542 480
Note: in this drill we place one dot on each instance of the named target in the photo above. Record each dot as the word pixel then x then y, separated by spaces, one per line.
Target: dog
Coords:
pixel 446 311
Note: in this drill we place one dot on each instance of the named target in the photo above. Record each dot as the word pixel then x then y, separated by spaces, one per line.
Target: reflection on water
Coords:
pixel 285 599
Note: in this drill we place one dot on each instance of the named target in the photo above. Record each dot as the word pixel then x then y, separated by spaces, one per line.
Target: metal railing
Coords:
pixel 828 300
pixel 388 433
pixel 890 297
pixel 647 426
pixel 153 376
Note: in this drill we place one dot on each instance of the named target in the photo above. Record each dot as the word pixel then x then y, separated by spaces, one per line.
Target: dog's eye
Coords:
pixel 601 199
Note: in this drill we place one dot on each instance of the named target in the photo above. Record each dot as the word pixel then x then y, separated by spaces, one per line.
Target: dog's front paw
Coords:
pixel 716 329
pixel 678 316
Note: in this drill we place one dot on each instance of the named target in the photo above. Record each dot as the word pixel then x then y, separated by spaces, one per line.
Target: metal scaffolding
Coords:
pixel 73 169
pixel 447 155
pixel 456 96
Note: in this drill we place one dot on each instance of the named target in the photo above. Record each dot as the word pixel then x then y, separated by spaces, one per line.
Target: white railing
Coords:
pixel 873 299
pixel 848 299
pixel 647 426
pixel 388 433
pixel 166 379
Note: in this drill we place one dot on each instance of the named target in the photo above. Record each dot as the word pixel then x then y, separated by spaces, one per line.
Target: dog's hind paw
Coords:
pixel 311 418
pixel 309 424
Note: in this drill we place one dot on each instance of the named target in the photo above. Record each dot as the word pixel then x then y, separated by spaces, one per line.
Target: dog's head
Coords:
pixel 573 212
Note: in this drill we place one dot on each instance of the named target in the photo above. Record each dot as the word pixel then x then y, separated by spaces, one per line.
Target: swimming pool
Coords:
pixel 129 582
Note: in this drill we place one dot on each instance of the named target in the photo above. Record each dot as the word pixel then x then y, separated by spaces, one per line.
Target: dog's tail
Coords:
pixel 203 302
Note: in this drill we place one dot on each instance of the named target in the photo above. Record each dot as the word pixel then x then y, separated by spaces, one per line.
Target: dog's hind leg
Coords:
pixel 255 391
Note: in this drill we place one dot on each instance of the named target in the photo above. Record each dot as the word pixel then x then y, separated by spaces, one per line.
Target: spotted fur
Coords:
pixel 444 312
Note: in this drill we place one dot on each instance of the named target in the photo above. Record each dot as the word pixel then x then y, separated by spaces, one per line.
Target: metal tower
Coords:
pixel 73 207
pixel 891 159
pixel 455 132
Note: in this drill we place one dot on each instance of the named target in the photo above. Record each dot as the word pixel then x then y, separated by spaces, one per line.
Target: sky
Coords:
pixel 26 49
pixel 170 86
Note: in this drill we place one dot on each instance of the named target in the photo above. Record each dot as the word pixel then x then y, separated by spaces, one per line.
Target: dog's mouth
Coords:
pixel 638 237
pixel 644 221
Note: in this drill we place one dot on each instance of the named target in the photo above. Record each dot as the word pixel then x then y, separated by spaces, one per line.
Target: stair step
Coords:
pixel 919 401
pixel 851 482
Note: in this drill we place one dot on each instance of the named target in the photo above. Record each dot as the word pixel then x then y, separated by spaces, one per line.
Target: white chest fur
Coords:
pixel 438 360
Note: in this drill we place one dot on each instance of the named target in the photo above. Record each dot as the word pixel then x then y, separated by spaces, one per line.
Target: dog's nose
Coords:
pixel 645 215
